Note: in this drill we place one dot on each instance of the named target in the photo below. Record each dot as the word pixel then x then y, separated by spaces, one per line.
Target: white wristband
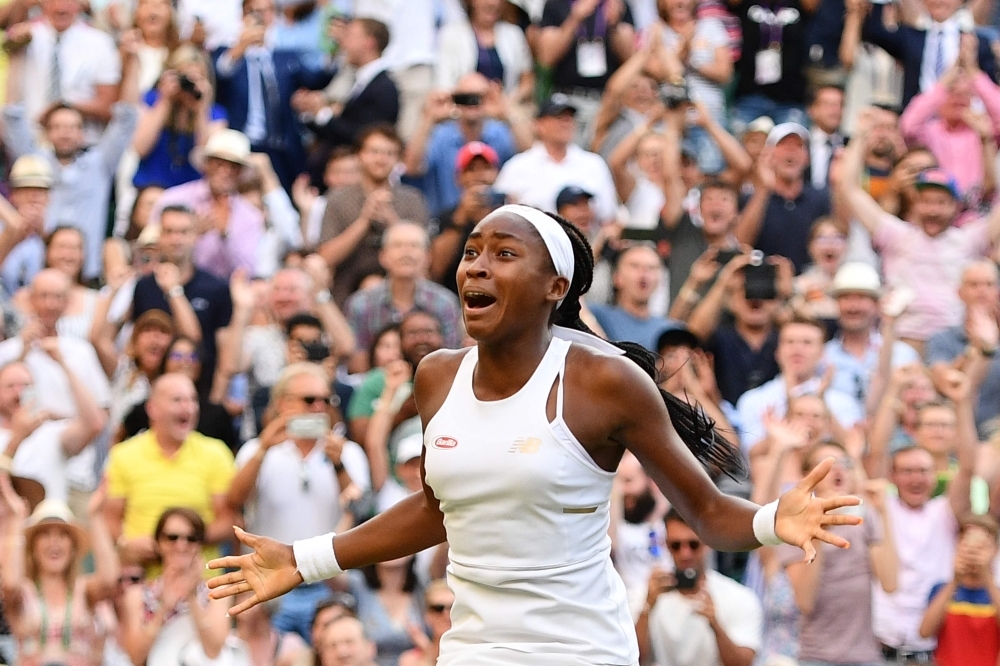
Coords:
pixel 315 559
pixel 763 525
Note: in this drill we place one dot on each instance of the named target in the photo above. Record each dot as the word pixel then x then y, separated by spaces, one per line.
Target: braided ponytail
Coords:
pixel 695 428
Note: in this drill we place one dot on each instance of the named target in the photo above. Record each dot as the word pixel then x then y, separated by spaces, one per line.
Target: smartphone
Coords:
pixel 644 235
pixel 760 282
pixel 725 256
pixel 467 99
pixel 308 426
pixel 687 579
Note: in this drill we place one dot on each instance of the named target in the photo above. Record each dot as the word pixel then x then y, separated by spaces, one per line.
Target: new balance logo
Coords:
pixel 525 445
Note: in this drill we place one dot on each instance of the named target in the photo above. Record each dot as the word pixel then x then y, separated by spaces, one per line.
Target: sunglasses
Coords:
pixel 134 579
pixel 437 609
pixel 675 546
pixel 311 400
pixel 174 538
pixel 182 357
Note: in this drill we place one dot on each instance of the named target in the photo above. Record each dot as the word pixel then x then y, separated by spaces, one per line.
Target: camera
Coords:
pixel 308 426
pixel 316 352
pixel 674 94
pixel 760 279
pixel 467 99
pixel 188 86
pixel 687 579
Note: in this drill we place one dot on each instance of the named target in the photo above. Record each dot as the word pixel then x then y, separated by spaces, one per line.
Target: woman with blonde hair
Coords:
pixel 50 606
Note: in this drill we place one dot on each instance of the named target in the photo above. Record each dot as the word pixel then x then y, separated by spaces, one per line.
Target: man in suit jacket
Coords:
pixel 254 85
pixel 373 97
pixel 927 52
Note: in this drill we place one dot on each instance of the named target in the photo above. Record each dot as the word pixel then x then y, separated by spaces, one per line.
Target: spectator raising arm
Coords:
pixel 733 152
pixel 705 318
pixel 555 42
pixel 864 209
pixel 380 424
pixel 438 107
pixel 957 387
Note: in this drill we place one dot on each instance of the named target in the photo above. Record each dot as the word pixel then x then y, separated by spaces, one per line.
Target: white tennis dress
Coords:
pixel 526 510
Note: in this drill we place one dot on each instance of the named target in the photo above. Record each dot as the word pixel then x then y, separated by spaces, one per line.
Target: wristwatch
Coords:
pixel 175 291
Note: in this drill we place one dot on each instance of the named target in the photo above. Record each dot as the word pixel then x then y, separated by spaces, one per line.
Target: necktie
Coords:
pixel 55 73
pixel 939 54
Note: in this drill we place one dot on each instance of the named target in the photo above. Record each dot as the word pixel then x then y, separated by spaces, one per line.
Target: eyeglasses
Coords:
pixel 310 400
pixel 437 609
pixel 182 357
pixel 675 546
pixel 134 579
pixel 174 538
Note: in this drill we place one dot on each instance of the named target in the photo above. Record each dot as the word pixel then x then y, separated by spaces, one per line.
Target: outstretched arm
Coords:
pixel 865 209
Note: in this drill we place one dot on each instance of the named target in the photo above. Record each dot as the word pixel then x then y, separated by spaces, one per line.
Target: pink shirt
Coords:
pixel 925 544
pixel 930 265
pixel 959 151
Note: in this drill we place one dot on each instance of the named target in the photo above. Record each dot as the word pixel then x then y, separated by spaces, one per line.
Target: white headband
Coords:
pixel 553 235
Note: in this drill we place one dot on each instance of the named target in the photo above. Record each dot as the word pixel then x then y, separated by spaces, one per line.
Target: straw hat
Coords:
pixel 56 512
pixel 31 171
pixel 228 145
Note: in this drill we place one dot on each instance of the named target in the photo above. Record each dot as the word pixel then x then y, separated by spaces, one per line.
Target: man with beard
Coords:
pixel 419 334
pixel 638 541
pixel 926 249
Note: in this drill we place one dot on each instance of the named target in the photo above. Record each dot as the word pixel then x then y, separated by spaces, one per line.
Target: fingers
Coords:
pixel 838 502
pixel 832 539
pixel 810 551
pixel 840 519
pixel 246 605
pixel 818 473
pixel 252 540
pixel 230 562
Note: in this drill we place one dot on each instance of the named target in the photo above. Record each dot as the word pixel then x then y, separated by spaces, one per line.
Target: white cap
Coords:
pixel 228 145
pixel 856 277
pixel 764 125
pixel 409 448
pixel 785 130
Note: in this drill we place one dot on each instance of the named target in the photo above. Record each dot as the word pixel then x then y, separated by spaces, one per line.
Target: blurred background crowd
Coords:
pixel 230 233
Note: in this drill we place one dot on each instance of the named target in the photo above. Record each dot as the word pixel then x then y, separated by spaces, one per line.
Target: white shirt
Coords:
pixel 296 497
pixel 925 545
pixel 533 178
pixel 87 58
pixel 412 27
pixel 853 375
pixel 820 154
pixel 950 32
pixel 752 405
pixel 638 547
pixel 40 457
pixel 365 74
pixel 681 637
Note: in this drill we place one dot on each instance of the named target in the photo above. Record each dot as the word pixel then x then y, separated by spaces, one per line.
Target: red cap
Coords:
pixel 475 149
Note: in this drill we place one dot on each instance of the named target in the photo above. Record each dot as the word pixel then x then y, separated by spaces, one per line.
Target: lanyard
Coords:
pixel 600 25
pixel 67 629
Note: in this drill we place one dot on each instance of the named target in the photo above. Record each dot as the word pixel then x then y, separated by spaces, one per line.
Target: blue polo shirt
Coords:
pixel 786 225
pixel 620 326
pixel 438 183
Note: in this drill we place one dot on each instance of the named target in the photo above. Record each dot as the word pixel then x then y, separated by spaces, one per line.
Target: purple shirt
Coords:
pixel 215 253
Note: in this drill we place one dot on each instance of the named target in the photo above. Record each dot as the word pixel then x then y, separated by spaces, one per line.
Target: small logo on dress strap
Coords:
pixel 525 445
pixel 445 443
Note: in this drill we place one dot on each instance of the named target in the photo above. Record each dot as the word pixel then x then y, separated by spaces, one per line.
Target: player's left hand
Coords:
pixel 802 517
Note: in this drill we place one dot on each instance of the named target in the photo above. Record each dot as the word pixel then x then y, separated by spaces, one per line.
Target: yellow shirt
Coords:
pixel 150 482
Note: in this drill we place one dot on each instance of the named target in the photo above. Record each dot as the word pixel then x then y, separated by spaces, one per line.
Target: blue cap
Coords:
pixel 570 195
pixel 556 105
pixel 938 178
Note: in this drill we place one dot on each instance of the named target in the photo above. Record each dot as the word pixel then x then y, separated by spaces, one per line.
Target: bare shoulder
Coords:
pixel 608 379
pixel 433 379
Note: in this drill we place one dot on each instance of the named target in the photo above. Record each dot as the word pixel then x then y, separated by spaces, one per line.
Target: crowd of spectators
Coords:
pixel 230 232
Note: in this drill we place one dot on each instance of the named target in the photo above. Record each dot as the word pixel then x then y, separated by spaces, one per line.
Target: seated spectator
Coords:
pixel 962 613
pixel 346 643
pixel 710 621
pixel 357 215
pixel 65 252
pixel 328 611
pixel 22 250
pixel 799 355
pixel 927 250
pixel 972 346
pixel 834 591
pixel 855 352
pixel 404 254
pixel 449 122
pixel 183 357
pixel 313 505
pixel 373 98
pixel 255 83
pixel 438 599
pixel 483 42
pixel 388 595
pixel 536 176
pixel 168 465
pixel 636 277
pixel 261 644
pixel 81 191
pixel 827 249
pixel 778 218
pixel 41 442
pixel 175 603
pixel 66 60
pixel 638 537
pixel 476 167
pixel 825 111
pixel 142 208
pixel 178 115
pixel 229 227
pixel 942 119
pixel 744 341
pixel 607 36
pixel 41 570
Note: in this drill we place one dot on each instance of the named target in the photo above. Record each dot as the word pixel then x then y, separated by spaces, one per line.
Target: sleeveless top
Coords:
pixel 67 636
pixel 526 510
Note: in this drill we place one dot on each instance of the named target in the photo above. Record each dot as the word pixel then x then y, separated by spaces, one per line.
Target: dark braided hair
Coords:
pixel 694 426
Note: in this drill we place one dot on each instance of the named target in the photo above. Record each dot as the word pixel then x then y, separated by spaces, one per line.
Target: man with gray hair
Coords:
pixel 972 347
pixel 405 256
pixel 292 478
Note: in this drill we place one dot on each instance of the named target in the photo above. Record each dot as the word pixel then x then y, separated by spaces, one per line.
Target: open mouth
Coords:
pixel 478 300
